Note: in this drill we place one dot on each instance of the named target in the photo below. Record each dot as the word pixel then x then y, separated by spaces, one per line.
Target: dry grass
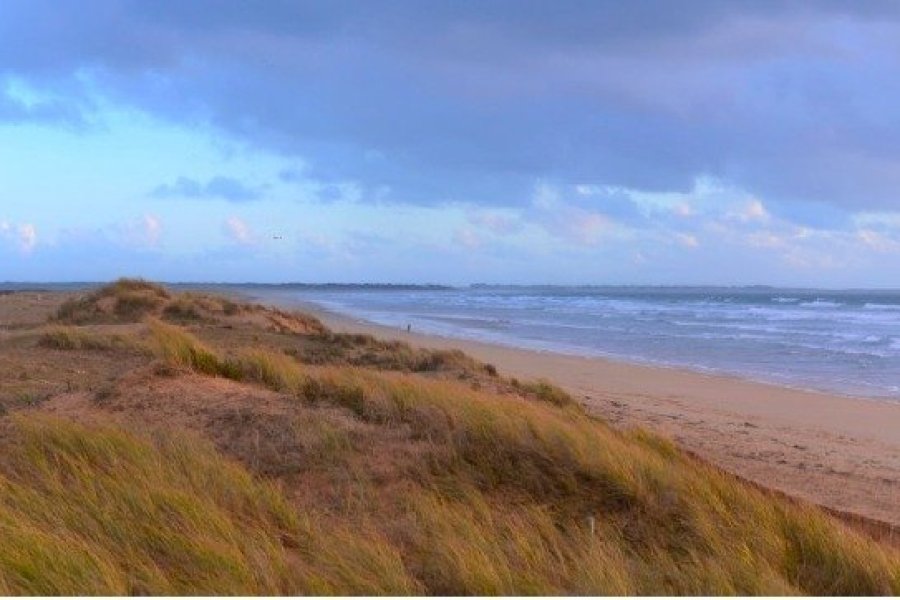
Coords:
pixel 500 492
pixel 125 300
pixel 88 511
pixel 182 350
pixel 74 338
pixel 101 512
pixel 545 391
pixel 134 300
pixel 367 351
pixel 388 482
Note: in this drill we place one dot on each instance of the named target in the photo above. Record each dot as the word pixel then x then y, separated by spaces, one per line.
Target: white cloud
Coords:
pixel 145 231
pixel 468 238
pixel 27 237
pixel 687 240
pixel 546 197
pixel 238 231
pixel 752 211
pixel 24 235
pixel 683 209
pixel 496 222
pixel 878 241
pixel 152 229
pixel 565 221
pixel 765 239
pixel 586 227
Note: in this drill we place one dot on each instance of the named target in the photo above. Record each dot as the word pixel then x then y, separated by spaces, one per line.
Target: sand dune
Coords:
pixel 840 452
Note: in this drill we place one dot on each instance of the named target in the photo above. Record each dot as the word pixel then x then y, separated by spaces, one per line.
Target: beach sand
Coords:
pixel 839 452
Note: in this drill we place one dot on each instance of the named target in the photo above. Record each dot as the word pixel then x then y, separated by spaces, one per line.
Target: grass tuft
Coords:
pixel 123 300
pixel 73 338
pixel 545 391
pixel 181 349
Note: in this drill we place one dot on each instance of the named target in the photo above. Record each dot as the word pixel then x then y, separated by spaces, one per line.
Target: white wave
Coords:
pixel 876 306
pixel 819 303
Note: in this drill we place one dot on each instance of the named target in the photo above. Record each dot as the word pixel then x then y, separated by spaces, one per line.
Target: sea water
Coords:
pixel 838 341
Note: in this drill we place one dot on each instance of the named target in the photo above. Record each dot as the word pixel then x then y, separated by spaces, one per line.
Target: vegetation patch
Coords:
pixel 100 512
pixel 126 300
pixel 181 349
pixel 73 338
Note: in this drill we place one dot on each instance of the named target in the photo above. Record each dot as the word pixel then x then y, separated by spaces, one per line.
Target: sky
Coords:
pixel 428 141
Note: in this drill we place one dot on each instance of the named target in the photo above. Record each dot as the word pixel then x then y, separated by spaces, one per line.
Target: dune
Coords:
pixel 222 447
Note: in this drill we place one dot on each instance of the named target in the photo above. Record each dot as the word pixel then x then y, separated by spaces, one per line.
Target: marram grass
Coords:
pixel 492 494
pixel 87 511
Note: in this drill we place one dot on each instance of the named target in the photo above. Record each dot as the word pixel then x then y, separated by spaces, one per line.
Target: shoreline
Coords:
pixel 841 452
pixel 324 312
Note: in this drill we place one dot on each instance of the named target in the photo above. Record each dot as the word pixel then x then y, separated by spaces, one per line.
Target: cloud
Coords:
pixel 238 231
pixel 452 102
pixel 572 224
pixel 496 222
pixel 879 241
pixel 17 107
pixel 754 211
pixel 145 232
pixel 226 188
pixel 152 229
pixel 24 236
pixel 687 240
pixel 467 238
pixel 683 209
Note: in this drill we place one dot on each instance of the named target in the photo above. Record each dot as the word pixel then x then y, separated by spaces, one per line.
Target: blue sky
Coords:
pixel 451 142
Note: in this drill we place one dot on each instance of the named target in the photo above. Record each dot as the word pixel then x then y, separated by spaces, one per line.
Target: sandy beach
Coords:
pixel 839 452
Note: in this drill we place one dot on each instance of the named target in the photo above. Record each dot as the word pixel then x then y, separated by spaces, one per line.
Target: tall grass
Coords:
pixel 122 300
pixel 101 512
pixel 667 523
pixel 181 349
pixel 74 338
pixel 506 487
pixel 88 511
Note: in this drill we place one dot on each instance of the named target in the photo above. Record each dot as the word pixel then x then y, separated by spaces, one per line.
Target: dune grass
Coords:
pixel 510 494
pixel 125 300
pixel 364 350
pixel 75 338
pixel 182 350
pixel 98 510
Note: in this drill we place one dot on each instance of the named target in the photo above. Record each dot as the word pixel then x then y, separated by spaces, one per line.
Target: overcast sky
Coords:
pixel 512 142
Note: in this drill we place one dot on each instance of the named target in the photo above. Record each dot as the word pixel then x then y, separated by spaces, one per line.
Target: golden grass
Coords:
pixel 101 512
pixel 134 300
pixel 545 391
pixel 505 490
pixel 87 511
pixel 368 351
pixel 183 350
pixel 75 338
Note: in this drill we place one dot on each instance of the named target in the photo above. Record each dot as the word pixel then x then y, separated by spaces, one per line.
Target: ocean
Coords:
pixel 845 342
